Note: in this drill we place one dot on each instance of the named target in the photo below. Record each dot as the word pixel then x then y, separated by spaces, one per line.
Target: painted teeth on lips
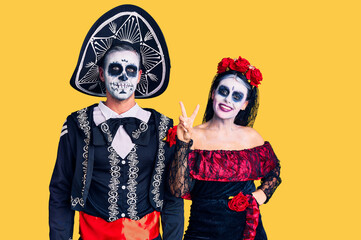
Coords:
pixel 225 108
pixel 121 85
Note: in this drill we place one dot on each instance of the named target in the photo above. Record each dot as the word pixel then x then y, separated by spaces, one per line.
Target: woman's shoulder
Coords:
pixel 201 126
pixel 240 138
pixel 199 131
pixel 251 138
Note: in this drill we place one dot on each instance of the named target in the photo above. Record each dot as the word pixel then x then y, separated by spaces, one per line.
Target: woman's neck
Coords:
pixel 224 125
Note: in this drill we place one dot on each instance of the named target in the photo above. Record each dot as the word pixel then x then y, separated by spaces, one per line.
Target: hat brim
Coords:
pixel 133 25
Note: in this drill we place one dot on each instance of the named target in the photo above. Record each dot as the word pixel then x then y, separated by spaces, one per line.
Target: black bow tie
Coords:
pixel 135 128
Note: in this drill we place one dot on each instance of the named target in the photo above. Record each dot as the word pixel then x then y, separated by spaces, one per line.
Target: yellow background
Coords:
pixel 308 52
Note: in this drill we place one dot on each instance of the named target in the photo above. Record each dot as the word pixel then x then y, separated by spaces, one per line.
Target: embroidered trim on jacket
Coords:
pixel 84 125
pixel 132 184
pixel 105 128
pixel 64 129
pixel 160 163
pixel 113 185
pixel 75 201
pixel 142 128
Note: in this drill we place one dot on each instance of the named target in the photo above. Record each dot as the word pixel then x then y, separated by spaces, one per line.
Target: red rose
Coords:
pixel 239 203
pixel 255 76
pixel 249 204
pixel 171 136
pixel 224 64
pixel 240 65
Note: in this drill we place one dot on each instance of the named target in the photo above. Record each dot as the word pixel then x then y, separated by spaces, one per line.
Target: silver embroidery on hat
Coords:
pixel 128 31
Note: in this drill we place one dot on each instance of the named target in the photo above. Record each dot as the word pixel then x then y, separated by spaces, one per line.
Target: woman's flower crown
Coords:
pixel 241 65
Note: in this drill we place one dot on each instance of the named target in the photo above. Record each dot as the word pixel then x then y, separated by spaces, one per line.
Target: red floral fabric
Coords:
pixel 255 76
pixel 249 204
pixel 243 66
pixel 230 166
pixel 239 203
pixel 187 196
pixel 95 228
pixel 171 136
pixel 240 65
pixel 224 64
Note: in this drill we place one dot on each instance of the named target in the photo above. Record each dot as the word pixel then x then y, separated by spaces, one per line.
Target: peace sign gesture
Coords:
pixel 185 126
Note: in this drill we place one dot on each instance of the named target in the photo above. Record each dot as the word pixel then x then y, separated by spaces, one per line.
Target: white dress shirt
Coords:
pixel 122 143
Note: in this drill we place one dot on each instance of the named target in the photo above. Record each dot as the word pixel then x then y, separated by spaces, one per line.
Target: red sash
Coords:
pixel 95 228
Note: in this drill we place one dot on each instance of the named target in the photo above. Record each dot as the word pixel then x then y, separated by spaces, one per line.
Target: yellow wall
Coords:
pixel 308 52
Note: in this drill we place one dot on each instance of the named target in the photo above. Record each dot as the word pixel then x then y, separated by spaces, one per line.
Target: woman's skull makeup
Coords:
pixel 121 73
pixel 229 97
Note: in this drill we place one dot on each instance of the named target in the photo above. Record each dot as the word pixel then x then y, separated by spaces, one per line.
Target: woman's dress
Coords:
pixel 210 178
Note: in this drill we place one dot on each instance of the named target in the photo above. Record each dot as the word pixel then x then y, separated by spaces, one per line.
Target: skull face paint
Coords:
pixel 229 98
pixel 121 73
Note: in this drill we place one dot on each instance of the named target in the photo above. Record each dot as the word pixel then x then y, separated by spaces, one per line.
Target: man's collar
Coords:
pixel 135 111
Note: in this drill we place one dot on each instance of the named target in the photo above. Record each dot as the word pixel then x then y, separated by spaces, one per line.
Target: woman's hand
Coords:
pixel 260 196
pixel 185 126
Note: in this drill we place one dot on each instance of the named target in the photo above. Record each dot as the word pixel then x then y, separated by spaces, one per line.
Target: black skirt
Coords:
pixel 211 218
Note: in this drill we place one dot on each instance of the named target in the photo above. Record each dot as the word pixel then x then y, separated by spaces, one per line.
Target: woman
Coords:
pixel 222 157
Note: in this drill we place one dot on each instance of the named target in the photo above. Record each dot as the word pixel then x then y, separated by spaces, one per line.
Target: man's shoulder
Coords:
pixel 79 116
pixel 157 114
pixel 87 110
pixel 162 121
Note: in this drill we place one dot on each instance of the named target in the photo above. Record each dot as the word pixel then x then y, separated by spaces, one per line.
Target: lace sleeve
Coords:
pixel 180 181
pixel 271 181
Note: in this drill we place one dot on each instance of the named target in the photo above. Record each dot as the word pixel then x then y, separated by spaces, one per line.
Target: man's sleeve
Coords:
pixel 61 217
pixel 173 210
pixel 172 217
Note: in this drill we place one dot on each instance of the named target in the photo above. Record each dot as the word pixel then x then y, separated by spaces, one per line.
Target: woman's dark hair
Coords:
pixel 244 117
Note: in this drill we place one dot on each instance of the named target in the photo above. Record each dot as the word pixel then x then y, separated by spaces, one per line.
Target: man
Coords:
pixel 112 157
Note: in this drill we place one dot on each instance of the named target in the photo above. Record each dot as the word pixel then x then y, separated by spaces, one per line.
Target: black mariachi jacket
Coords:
pixel 72 176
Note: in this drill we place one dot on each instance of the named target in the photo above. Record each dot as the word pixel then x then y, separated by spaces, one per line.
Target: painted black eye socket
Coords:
pixel 223 91
pixel 131 70
pixel 115 69
pixel 237 96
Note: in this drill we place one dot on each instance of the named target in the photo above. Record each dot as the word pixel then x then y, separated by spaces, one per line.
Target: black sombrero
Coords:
pixel 127 24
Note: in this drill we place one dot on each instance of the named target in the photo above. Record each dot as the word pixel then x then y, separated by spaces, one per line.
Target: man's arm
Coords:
pixel 173 208
pixel 61 217
pixel 172 217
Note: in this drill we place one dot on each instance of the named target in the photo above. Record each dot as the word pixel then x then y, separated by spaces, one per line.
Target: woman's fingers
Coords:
pixel 185 130
pixel 195 112
pixel 184 122
pixel 184 113
pixel 182 119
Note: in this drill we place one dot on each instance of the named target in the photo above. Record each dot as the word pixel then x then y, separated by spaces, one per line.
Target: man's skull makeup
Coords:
pixel 229 97
pixel 121 73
